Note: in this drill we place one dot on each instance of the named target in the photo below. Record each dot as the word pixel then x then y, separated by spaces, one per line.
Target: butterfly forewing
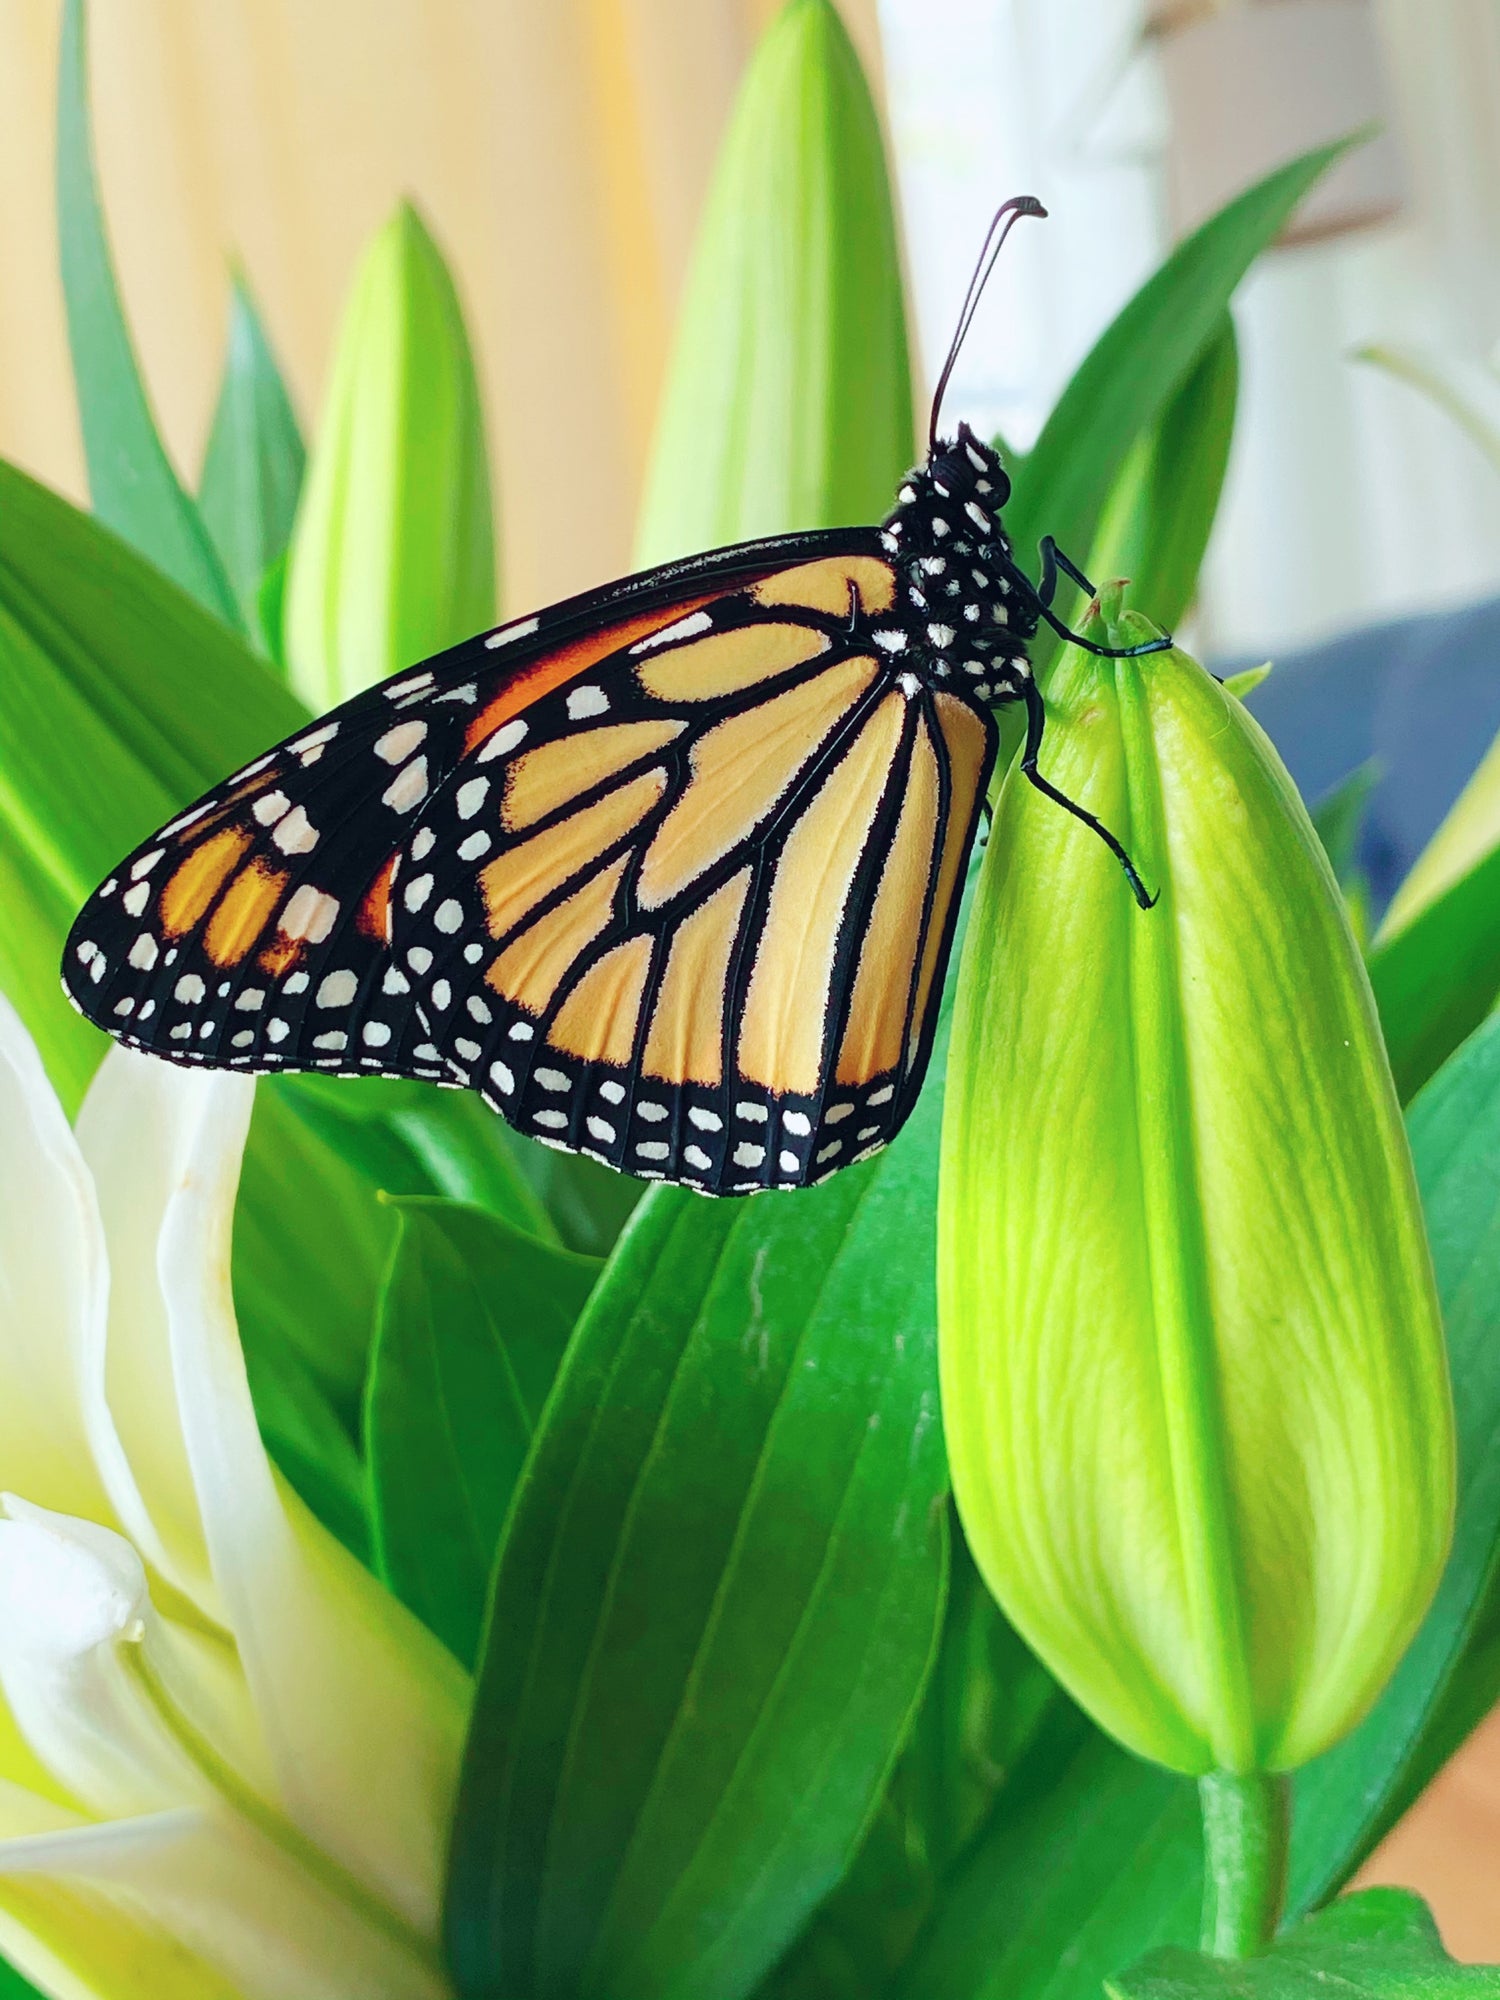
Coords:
pixel 669 875
pixel 711 889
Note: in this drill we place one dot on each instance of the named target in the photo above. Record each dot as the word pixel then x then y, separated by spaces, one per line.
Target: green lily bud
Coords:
pixel 392 555
pixel 1193 1372
pixel 788 401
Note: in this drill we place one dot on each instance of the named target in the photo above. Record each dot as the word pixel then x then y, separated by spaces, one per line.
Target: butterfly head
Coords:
pixel 970 470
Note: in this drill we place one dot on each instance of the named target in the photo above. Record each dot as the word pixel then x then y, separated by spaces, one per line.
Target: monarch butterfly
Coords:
pixel 667 872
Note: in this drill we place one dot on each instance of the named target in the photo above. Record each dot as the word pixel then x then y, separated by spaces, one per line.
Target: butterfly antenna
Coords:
pixel 1005 218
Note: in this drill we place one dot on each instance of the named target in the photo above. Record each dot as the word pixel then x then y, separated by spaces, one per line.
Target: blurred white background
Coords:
pixel 1349 498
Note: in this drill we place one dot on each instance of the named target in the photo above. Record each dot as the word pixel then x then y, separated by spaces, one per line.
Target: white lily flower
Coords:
pixel 227 1755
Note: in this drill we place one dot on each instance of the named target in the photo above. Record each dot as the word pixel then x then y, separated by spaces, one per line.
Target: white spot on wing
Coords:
pixel 310 914
pixel 508 634
pixel 296 834
pixel 506 737
pixel 680 628
pixel 586 701
pixel 471 796
pixel 397 744
pixel 144 952
pixel 408 788
pixel 338 989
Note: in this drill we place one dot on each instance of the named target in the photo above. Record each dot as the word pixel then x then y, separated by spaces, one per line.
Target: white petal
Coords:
pixel 136 1131
pixel 53 1287
pixel 73 1605
pixel 233 1898
pixel 363 1711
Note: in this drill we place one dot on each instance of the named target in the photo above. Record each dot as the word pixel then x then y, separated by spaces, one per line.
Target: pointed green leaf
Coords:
pixel 392 554
pixel 1379 1945
pixel 133 486
pixel 474 1317
pixel 1136 366
pixel 1158 519
pixel 788 399
pixel 716 1596
pixel 252 467
pixel 1243 684
pixel 1436 978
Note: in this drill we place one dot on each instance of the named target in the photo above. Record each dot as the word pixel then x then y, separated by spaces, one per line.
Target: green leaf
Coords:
pixel 120 700
pixel 133 486
pixel 474 1318
pixel 991 1710
pixel 1436 978
pixel 252 466
pixel 1243 684
pixel 393 551
pixel 1104 1856
pixel 1339 817
pixel 1379 1945
pixel 1157 521
pixel 716 1596
pixel 1140 360
pixel 1340 814
pixel 308 1440
pixel 788 399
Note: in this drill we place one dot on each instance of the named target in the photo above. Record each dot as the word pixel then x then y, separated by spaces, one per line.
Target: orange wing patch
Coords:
pixel 554 669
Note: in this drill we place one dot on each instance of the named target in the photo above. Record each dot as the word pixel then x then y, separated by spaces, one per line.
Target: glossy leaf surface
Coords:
pixel 1139 362
pixel 252 466
pixel 716 1598
pixel 474 1317
pixel 1379 1945
pixel 1157 521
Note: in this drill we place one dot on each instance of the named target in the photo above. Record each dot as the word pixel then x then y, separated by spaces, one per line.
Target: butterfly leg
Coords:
pixel 1036 722
pixel 1053 562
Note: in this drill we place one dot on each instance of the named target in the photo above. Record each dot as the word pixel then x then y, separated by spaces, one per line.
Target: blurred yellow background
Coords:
pixel 558 151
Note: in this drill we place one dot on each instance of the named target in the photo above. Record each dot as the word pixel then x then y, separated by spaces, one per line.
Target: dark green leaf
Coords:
pixel 1379 1945
pixel 13 1986
pixel 131 481
pixel 120 700
pixel 1095 1858
pixel 716 1597
pixel 1437 978
pixel 1105 1862
pixel 1340 814
pixel 306 1437
pixel 474 1318
pixel 1140 360
pixel 989 1709
pixel 1158 519
pixel 252 467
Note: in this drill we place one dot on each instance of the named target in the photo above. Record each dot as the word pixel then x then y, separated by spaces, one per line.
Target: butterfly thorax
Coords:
pixel 962 613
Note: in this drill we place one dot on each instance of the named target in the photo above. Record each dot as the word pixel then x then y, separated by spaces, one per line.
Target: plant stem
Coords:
pixel 1246 1826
